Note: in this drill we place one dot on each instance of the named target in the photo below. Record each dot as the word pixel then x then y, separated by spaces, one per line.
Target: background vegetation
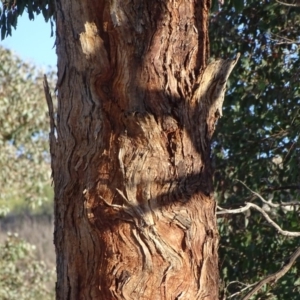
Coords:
pixel 26 250
pixel 257 143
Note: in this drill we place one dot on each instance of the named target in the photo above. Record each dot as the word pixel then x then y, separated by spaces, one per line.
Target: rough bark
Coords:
pixel 137 106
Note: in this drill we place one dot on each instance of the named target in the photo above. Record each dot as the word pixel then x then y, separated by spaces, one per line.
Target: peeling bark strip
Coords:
pixel 137 106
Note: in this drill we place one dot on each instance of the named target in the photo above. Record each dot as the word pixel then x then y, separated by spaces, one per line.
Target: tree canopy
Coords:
pixel 24 147
pixel 12 9
pixel 257 142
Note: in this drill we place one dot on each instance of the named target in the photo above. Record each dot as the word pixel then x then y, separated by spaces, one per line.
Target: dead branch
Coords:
pixel 274 205
pixel 50 105
pixel 289 4
pixel 259 196
pixel 281 40
pixel 275 276
pixel 247 286
pixel 267 217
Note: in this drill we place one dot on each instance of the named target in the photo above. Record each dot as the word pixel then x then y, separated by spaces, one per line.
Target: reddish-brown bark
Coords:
pixel 137 105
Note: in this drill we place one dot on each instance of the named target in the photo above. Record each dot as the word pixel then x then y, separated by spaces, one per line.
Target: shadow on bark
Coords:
pixel 135 214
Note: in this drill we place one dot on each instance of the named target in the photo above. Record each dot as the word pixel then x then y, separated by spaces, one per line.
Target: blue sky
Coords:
pixel 32 42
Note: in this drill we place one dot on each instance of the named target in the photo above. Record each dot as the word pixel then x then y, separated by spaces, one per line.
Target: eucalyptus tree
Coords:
pixel 130 144
pixel 130 147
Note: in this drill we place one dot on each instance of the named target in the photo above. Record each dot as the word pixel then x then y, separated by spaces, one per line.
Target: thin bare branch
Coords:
pixel 259 196
pixel 267 217
pixel 223 211
pixel 275 205
pixel 288 4
pixel 280 188
pixel 247 286
pixel 281 40
pixel 292 203
pixel 275 276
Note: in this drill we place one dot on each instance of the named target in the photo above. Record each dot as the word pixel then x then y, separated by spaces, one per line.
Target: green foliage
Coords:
pixel 257 140
pixel 24 146
pixel 24 173
pixel 21 276
pixel 12 9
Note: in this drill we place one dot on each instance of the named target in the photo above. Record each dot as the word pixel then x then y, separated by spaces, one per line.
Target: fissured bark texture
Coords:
pixel 130 145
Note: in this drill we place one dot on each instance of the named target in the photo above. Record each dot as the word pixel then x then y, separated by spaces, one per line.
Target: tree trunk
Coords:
pixel 137 106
